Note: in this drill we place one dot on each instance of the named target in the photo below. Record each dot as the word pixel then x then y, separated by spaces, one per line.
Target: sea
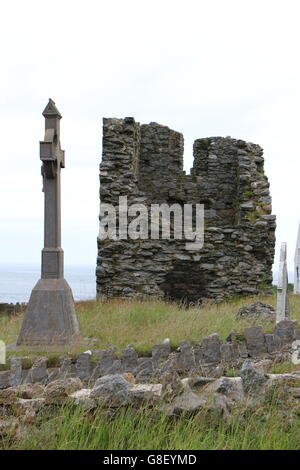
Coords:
pixel 17 281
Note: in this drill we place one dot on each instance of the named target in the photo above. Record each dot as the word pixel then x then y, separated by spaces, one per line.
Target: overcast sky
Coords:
pixel 204 68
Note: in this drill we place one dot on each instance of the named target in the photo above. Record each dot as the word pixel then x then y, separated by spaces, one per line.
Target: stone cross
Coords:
pixel 283 310
pixel 50 316
pixel 297 265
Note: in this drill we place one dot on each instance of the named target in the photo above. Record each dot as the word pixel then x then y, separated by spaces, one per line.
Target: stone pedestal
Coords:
pixel 50 317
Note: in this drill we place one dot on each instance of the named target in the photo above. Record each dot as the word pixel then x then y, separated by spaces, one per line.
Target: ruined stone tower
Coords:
pixel 145 163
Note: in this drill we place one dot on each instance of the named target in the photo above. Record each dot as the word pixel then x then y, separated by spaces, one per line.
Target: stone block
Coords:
pixel 5 377
pixel 228 353
pixel 144 369
pixel 160 353
pixel 240 349
pixel 83 366
pixel 112 390
pixel 255 339
pixel 65 367
pixel 211 349
pixel 252 379
pixel 129 359
pixel 106 361
pixel 16 371
pixel 198 354
pixel 273 343
pixel 285 329
pixel 185 357
pixel 38 371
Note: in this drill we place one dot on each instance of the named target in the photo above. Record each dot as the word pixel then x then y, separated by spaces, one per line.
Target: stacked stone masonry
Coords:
pixel 145 163
pixel 202 357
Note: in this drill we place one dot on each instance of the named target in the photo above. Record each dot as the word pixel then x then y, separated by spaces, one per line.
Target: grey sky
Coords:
pixel 204 68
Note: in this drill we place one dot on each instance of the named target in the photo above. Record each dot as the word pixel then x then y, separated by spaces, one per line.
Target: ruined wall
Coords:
pixel 145 163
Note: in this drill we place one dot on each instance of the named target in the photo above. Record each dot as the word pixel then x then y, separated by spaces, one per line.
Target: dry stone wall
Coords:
pixel 203 357
pixel 145 163
pixel 12 309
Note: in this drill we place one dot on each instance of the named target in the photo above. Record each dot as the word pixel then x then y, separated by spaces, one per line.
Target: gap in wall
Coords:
pixel 188 155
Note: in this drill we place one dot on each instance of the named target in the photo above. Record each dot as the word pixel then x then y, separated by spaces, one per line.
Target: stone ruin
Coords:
pixel 145 163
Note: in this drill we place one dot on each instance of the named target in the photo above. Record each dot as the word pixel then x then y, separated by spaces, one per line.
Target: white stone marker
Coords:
pixel 2 352
pixel 283 310
pixel 297 265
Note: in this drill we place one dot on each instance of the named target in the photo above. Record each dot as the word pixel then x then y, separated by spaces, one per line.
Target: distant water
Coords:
pixel 17 281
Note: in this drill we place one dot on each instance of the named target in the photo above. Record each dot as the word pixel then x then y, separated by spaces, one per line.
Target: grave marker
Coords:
pixel 50 317
pixel 283 311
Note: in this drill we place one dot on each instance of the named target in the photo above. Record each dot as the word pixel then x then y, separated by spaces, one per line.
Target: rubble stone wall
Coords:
pixel 199 358
pixel 145 164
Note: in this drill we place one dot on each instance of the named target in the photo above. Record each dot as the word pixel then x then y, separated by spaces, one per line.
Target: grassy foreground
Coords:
pixel 267 426
pixel 145 323
pixel 264 428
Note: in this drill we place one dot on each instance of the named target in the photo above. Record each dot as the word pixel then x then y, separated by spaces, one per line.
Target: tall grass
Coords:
pixel 148 429
pixel 144 323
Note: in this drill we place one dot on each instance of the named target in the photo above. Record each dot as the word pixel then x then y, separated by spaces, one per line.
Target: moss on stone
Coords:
pixel 53 361
pixel 143 350
pixel 26 363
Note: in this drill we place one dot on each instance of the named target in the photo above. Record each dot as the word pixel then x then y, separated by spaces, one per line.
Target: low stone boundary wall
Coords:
pixel 12 309
pixel 201 358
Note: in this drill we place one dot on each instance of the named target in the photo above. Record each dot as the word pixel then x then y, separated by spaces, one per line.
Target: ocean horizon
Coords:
pixel 18 280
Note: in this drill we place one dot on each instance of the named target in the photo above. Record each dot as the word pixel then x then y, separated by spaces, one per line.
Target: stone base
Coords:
pixel 50 318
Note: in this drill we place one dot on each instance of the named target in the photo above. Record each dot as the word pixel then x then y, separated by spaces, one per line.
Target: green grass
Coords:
pixel 284 368
pixel 266 427
pixel 145 323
